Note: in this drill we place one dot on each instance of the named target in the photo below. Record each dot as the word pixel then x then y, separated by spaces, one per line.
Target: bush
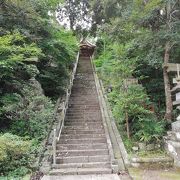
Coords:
pixel 33 115
pixel 148 129
pixel 14 153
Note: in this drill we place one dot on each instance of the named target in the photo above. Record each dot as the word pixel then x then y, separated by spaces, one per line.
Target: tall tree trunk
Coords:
pixel 169 106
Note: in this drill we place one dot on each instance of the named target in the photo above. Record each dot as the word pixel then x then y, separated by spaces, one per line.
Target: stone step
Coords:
pixel 82 159
pixel 84 76
pixel 84 107
pixel 80 93
pixel 80 171
pixel 89 103
pixel 80 100
pixel 86 90
pixel 79 136
pixel 84 83
pixel 83 70
pixel 79 79
pixel 83 131
pixel 87 152
pixel 82 141
pixel 86 116
pixel 85 126
pixel 81 128
pixel 175 144
pixel 78 96
pixel 89 124
pixel 83 120
pixel 81 146
pixel 82 111
pixel 83 165
pixel 175 136
pixel 92 98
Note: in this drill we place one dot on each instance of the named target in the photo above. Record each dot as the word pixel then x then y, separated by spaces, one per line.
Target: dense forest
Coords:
pixel 38 45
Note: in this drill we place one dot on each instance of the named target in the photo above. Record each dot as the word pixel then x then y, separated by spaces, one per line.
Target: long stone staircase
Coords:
pixel 83 147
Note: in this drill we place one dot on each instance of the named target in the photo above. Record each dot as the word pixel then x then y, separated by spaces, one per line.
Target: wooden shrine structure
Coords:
pixel 86 48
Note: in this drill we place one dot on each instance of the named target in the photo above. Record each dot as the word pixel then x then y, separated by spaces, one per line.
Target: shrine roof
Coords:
pixel 85 42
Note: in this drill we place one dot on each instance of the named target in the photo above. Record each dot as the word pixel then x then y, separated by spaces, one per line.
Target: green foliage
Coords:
pixel 131 101
pixel 116 66
pixel 14 50
pixel 34 51
pixel 31 115
pixel 14 154
pixel 60 50
pixel 148 129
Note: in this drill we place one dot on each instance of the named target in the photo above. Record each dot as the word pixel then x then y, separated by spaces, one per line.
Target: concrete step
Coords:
pixel 81 128
pixel 82 141
pixel 84 98
pixel 82 101
pixel 85 117
pixel 174 136
pixel 96 115
pixel 81 146
pixel 81 111
pixel 82 93
pixel 89 124
pixel 87 106
pixel 86 152
pixel 82 159
pixel 85 126
pixel 82 121
pixel 79 136
pixel 84 107
pixel 80 96
pixel 80 171
pixel 83 165
pixel 83 131
pixel 84 113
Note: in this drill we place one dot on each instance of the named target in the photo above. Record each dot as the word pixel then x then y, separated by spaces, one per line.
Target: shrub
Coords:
pixel 148 129
pixel 34 115
pixel 14 153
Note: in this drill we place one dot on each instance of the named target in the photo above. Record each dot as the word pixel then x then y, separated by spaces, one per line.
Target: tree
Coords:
pixel 74 14
pixel 152 28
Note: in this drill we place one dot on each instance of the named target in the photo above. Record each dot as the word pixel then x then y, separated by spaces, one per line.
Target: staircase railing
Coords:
pixel 58 129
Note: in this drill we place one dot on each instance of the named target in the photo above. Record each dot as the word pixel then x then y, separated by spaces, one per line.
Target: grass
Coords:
pixel 152 154
pixel 139 174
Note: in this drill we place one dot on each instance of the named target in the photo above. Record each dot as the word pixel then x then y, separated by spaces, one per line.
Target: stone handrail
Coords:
pixel 58 129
